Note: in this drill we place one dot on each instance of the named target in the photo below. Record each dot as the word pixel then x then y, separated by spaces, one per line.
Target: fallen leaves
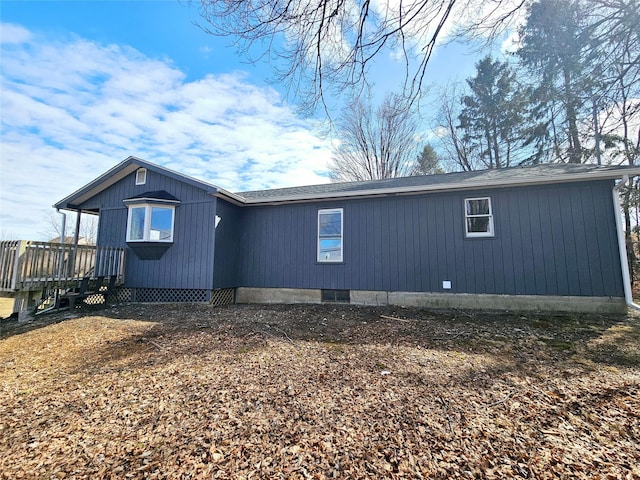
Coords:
pixel 192 391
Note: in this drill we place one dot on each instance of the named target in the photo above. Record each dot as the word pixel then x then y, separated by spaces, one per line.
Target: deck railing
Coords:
pixel 27 265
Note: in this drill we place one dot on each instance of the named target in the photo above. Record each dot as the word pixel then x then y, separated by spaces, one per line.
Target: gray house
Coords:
pixel 541 237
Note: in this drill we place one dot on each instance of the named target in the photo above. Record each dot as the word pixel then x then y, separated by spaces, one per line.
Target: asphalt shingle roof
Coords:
pixel 530 175
pixel 156 195
pixel 490 178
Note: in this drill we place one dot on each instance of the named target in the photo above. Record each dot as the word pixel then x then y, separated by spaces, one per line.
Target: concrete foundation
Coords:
pixel 369 297
pixel 277 295
pixel 510 302
pixel 441 300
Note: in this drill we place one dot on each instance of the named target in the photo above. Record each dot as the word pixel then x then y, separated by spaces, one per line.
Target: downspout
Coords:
pixel 76 237
pixel 62 239
pixel 63 228
pixel 622 246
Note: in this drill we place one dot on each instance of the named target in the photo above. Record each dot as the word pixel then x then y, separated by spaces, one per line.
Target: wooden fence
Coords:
pixel 28 265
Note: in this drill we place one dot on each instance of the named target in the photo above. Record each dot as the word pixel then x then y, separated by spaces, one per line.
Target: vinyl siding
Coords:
pixel 227 253
pixel 188 262
pixel 549 240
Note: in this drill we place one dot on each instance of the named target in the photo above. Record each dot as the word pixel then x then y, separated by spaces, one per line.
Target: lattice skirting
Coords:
pixel 222 296
pixel 119 295
pixel 94 300
pixel 169 295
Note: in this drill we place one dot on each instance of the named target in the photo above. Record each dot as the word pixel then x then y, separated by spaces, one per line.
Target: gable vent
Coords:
pixel 141 176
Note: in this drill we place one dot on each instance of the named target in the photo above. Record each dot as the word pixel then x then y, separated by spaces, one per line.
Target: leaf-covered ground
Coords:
pixel 322 391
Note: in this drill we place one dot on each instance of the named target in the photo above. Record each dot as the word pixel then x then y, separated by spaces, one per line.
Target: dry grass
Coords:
pixel 175 391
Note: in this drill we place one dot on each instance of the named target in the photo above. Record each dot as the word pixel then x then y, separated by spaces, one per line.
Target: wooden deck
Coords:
pixel 27 265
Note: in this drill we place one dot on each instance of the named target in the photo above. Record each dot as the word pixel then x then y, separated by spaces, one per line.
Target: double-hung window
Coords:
pixel 330 237
pixel 150 223
pixel 478 217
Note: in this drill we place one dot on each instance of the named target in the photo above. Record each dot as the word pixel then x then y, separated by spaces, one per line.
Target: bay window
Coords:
pixel 150 223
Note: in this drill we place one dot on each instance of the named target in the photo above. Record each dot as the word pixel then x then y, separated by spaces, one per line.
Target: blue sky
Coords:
pixel 83 85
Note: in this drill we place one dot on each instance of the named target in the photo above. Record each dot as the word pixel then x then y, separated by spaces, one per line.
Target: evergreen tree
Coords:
pixel 556 48
pixel 492 115
pixel 428 162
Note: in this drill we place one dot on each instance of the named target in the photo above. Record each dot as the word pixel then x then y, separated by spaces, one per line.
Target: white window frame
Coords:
pixel 141 176
pixel 326 211
pixel 146 233
pixel 490 232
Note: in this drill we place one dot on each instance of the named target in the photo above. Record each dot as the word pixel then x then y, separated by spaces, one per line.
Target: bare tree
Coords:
pixel 7 235
pixel 327 46
pixel 89 228
pixel 52 228
pixel 458 150
pixel 616 105
pixel 375 143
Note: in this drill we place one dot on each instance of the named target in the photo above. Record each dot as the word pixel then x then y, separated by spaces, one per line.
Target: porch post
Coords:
pixel 76 236
pixel 16 279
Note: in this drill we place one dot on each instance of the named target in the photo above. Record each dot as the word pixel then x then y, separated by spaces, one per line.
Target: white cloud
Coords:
pixel 511 43
pixel 465 17
pixel 11 33
pixel 72 109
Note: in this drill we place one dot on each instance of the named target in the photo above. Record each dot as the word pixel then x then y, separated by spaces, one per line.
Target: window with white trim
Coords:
pixel 478 215
pixel 330 242
pixel 141 176
pixel 150 223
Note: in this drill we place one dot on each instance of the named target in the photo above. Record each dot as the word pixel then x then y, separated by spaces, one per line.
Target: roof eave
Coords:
pixel 230 197
pixel 415 190
pixel 70 202
pixel 117 173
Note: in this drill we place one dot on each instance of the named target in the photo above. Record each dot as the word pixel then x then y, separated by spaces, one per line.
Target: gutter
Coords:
pixel 474 184
pixel 62 240
pixel 234 198
pixel 622 246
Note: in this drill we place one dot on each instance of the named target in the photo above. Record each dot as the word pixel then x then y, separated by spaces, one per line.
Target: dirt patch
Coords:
pixel 319 391
pixel 6 307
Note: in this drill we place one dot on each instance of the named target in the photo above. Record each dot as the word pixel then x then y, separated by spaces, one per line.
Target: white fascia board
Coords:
pixel 103 182
pixel 120 171
pixel 233 198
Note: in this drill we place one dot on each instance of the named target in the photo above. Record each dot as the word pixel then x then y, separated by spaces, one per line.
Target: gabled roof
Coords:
pixel 124 168
pixel 505 177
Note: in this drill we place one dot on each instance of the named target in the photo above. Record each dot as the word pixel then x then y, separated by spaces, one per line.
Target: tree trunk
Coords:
pixel 575 149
